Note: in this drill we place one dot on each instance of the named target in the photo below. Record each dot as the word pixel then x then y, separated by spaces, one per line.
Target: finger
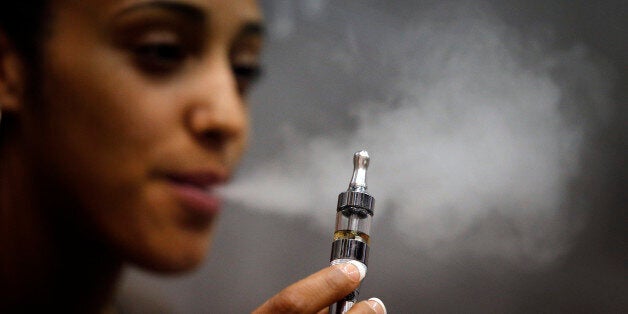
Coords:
pixel 315 292
pixel 371 306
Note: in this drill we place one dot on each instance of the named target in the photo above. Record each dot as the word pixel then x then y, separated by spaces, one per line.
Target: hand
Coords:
pixel 317 292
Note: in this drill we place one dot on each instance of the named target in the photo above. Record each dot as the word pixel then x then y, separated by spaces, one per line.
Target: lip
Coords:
pixel 195 190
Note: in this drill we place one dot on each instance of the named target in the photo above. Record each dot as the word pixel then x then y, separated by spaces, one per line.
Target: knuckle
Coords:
pixel 339 283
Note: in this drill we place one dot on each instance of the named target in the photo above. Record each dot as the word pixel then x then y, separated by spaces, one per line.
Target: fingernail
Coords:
pixel 377 305
pixel 354 269
pixel 361 268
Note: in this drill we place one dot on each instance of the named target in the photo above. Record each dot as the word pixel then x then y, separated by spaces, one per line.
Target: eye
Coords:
pixel 160 57
pixel 246 75
pixel 160 53
pixel 245 55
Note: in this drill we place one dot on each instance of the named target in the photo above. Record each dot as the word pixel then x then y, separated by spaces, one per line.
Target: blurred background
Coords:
pixel 498 137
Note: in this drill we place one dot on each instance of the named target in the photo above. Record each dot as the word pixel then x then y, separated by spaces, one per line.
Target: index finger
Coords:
pixel 315 292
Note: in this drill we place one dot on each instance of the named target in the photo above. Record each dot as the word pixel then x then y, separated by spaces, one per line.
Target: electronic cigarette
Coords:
pixel 353 223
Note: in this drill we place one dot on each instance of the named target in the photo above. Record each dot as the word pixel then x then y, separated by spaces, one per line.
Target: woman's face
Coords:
pixel 143 115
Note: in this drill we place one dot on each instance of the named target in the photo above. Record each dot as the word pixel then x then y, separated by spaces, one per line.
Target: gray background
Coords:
pixel 256 254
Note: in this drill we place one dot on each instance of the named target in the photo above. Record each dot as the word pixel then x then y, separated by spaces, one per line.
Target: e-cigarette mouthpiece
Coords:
pixel 360 165
pixel 353 223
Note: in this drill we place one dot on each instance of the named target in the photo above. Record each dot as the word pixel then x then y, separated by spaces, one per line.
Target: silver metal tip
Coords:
pixel 360 165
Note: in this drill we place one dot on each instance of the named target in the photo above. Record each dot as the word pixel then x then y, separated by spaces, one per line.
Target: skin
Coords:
pixel 129 93
pixel 126 123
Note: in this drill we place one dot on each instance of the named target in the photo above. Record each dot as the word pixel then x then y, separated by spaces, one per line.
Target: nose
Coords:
pixel 217 115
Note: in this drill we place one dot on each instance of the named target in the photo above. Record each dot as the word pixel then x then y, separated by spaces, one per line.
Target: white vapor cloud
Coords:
pixel 472 152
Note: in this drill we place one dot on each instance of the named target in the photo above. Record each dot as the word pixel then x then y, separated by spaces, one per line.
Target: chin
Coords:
pixel 178 242
pixel 172 263
pixel 173 256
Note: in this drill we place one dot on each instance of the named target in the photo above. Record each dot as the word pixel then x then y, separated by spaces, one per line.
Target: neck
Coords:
pixel 46 258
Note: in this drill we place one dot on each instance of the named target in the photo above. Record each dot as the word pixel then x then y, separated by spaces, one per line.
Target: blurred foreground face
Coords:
pixel 142 115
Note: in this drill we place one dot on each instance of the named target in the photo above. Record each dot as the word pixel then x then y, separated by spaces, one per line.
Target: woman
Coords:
pixel 118 120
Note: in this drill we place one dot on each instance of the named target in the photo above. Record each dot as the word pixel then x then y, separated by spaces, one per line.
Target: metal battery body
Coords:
pixel 353 223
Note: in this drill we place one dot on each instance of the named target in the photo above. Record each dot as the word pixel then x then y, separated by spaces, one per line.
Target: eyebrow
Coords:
pixel 188 11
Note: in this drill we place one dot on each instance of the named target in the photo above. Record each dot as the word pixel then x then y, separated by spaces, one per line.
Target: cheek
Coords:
pixel 98 127
pixel 243 143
